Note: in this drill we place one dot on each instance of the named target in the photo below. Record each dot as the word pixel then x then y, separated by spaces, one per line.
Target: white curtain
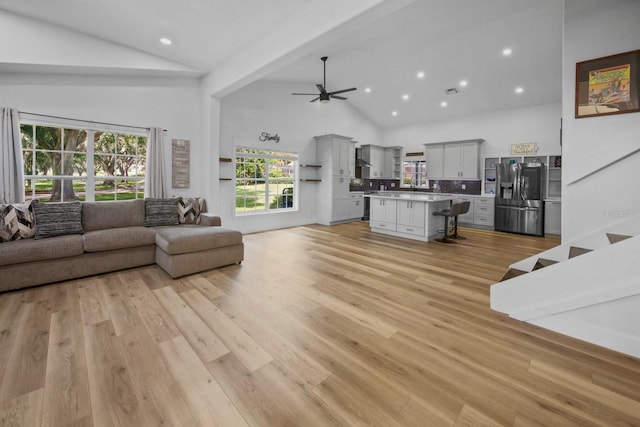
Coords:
pixel 11 163
pixel 155 175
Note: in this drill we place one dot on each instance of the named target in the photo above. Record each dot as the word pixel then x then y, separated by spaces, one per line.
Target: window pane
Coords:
pixel 75 140
pixel 48 163
pixel 105 190
pixel 80 189
pixel 105 165
pixel 104 142
pixel 26 132
pixel 124 165
pixel 48 138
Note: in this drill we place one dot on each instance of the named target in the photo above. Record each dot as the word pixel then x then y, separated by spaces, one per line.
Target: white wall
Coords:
pixel 595 29
pixel 500 129
pixel 172 104
pixel 267 106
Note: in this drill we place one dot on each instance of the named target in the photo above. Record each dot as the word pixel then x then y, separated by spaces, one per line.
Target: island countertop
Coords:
pixel 410 196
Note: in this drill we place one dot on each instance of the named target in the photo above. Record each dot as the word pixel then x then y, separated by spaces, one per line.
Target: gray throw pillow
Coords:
pixel 159 212
pixel 57 219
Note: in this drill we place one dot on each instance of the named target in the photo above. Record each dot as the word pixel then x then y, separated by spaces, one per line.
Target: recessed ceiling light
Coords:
pixel 420 75
pixel 463 83
pixel 519 89
pixel 405 97
pixel 394 113
pixel 165 41
pixel 443 104
pixel 507 51
pixel 367 89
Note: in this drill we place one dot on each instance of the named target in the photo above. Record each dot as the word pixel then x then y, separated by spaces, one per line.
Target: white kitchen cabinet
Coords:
pixel 461 160
pixel 340 157
pixel 382 214
pixel 356 205
pixel 410 217
pixel 434 157
pixel 553 217
pixel 483 211
pixel 393 162
pixel 333 153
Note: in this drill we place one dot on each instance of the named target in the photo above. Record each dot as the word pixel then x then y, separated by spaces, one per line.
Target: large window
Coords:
pixel 265 180
pixel 66 164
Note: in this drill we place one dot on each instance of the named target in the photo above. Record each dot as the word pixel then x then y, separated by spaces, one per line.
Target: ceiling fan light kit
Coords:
pixel 324 96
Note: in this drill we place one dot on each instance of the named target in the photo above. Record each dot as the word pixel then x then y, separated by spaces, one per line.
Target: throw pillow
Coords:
pixel 9 230
pixel 16 222
pixel 160 212
pixel 26 219
pixel 189 210
pixel 57 219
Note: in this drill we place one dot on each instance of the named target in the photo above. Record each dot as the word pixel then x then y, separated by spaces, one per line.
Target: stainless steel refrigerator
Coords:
pixel 519 198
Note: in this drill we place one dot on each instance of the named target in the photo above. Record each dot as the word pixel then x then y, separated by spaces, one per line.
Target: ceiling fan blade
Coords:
pixel 321 88
pixel 342 91
pixel 308 94
pixel 314 99
pixel 337 97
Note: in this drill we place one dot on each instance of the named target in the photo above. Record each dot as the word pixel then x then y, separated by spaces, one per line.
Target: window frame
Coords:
pixel 89 177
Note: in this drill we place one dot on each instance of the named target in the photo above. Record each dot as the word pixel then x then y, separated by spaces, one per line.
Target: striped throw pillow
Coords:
pixel 159 212
pixel 57 219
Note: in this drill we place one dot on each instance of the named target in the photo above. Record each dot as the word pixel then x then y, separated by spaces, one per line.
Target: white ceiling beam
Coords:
pixel 319 22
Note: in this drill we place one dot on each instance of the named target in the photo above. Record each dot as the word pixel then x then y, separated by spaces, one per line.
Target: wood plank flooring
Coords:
pixel 319 326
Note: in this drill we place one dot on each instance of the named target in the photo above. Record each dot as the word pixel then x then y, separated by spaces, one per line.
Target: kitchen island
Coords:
pixel 408 215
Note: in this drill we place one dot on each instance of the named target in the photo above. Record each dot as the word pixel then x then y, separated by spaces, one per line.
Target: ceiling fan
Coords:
pixel 324 96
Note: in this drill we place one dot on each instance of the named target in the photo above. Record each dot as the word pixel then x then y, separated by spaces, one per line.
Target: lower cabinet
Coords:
pixel 483 210
pixel 356 206
pixel 552 217
pixel 382 214
pixel 411 217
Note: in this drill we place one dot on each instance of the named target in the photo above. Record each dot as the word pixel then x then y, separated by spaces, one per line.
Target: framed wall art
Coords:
pixel 180 163
pixel 608 85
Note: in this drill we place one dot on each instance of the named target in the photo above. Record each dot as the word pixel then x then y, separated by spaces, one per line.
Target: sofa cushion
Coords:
pixel 189 210
pixel 159 212
pixel 57 219
pixel 27 250
pixel 118 238
pixel 192 238
pixel 103 215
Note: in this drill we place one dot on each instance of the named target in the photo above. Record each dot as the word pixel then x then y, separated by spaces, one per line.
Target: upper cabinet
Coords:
pixel 386 162
pixel 336 153
pixel 453 160
pixel 434 157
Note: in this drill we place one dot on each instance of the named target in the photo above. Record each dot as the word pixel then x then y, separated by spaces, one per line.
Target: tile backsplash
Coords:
pixel 473 187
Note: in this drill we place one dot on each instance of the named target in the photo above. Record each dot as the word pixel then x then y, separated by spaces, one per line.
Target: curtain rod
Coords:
pixel 87 121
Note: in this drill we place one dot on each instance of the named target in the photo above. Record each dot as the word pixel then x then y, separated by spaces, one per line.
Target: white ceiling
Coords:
pixel 449 40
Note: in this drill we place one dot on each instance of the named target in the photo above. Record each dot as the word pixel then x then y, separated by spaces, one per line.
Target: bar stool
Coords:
pixel 453 212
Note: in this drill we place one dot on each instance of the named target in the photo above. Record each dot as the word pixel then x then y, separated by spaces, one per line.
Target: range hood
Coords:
pixel 359 161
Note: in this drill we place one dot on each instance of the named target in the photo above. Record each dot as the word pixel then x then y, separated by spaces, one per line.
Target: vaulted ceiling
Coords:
pixel 448 40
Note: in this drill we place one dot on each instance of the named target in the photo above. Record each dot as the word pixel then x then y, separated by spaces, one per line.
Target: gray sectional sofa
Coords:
pixel 114 237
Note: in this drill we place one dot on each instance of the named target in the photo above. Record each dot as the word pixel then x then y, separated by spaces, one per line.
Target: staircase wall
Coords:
pixel 594 297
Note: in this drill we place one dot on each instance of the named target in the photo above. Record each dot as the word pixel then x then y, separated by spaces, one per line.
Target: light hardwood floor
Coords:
pixel 318 326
